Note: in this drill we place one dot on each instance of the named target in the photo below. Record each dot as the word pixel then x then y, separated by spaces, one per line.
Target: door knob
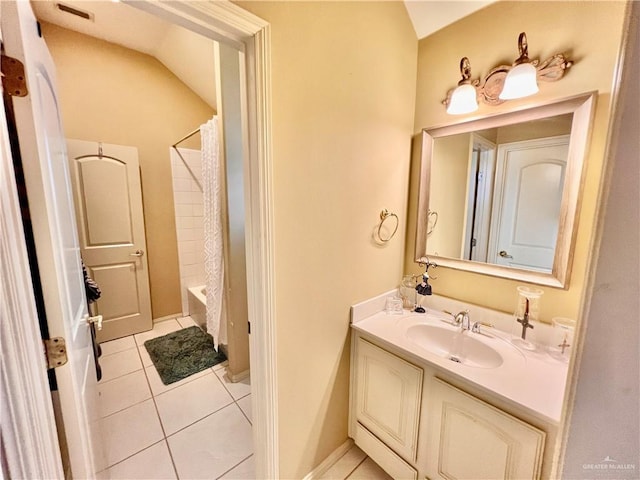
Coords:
pixel 504 254
pixel 137 253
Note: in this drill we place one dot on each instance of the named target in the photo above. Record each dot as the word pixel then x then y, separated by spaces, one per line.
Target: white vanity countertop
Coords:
pixel 534 380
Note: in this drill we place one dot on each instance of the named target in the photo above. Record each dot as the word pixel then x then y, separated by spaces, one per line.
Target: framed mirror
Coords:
pixel 500 195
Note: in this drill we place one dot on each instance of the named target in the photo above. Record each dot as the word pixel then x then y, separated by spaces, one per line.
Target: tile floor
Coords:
pixel 355 465
pixel 199 427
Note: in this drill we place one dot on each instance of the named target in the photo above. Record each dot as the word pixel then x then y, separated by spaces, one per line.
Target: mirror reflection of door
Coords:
pixel 527 199
pixel 479 193
pixel 109 213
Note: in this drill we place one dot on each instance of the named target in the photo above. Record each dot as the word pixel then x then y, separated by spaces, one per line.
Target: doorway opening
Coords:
pixel 250 35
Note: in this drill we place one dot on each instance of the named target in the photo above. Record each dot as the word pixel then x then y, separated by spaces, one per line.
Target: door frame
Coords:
pixel 480 193
pixel 30 441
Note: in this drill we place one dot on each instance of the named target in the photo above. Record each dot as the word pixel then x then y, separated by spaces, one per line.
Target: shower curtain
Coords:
pixel 213 235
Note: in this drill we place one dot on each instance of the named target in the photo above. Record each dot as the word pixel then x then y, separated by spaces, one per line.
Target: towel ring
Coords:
pixel 384 216
pixel 431 226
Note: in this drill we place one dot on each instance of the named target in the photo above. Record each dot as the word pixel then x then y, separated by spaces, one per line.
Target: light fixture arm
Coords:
pixel 523 50
pixel 490 86
pixel 465 71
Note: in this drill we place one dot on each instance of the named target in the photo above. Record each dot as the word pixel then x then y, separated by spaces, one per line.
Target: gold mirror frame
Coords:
pixel 582 108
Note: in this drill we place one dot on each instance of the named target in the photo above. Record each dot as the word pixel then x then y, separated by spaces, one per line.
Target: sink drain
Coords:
pixel 453 358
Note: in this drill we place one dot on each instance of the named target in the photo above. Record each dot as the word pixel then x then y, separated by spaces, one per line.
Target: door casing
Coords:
pixel 229 24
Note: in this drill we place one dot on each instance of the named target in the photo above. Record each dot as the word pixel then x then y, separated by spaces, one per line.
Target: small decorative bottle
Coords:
pixel 526 315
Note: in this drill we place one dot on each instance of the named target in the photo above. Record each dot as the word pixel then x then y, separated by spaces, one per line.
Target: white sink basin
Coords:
pixel 456 346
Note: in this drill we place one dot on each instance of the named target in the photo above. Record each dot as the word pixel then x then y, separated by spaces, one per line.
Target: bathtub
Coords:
pixel 197 297
pixel 198 312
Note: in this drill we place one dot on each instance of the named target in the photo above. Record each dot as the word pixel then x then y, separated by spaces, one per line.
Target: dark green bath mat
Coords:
pixel 182 353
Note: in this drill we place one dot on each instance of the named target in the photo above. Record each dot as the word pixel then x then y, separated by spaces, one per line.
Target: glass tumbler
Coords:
pixel 562 338
pixel 393 306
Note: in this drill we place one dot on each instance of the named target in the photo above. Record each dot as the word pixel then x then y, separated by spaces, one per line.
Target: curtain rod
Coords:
pixel 197 130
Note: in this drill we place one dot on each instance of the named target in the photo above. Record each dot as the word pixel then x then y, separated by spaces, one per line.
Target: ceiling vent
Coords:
pixel 74 11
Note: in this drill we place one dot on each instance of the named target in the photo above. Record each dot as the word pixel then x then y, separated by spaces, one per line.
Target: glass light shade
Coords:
pixel 520 82
pixel 463 100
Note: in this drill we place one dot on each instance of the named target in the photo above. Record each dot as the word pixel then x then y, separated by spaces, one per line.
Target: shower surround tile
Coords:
pixel 188 202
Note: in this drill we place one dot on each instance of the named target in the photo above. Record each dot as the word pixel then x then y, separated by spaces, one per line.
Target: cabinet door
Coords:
pixel 388 396
pixel 470 439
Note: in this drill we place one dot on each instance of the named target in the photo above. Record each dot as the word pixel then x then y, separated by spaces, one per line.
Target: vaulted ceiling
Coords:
pixel 189 55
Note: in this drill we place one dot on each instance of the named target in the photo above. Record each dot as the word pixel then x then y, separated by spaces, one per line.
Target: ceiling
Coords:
pixel 429 16
pixel 189 55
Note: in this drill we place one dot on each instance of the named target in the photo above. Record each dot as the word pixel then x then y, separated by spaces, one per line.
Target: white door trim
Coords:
pixel 28 430
pixel 227 23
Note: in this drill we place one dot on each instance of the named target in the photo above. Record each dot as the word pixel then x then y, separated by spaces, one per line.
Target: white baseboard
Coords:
pixel 238 377
pixel 330 461
pixel 167 317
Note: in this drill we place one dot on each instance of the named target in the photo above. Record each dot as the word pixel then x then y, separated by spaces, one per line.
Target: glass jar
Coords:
pixel 408 290
pixel 526 317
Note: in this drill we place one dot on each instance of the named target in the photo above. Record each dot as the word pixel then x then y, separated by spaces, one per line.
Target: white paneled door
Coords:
pixel 44 160
pixel 527 199
pixel 109 213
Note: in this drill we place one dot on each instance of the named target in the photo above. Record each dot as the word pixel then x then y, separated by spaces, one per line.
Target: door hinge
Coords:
pixel 56 352
pixel 14 81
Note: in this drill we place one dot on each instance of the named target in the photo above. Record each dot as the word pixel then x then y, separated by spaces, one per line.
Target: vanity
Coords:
pixel 429 401
pixel 498 195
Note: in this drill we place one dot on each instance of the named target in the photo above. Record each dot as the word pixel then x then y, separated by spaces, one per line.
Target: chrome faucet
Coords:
pixel 477 325
pixel 461 319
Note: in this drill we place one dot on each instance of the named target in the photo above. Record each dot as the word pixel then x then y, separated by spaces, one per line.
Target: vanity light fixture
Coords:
pixel 521 80
pixel 495 89
pixel 464 98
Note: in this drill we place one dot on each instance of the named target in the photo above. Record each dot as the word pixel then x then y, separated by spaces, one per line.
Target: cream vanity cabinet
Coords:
pixel 386 407
pixel 414 425
pixel 474 440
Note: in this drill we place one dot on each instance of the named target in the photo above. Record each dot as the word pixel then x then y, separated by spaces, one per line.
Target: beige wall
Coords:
pixel 343 83
pixel 488 38
pixel 112 94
